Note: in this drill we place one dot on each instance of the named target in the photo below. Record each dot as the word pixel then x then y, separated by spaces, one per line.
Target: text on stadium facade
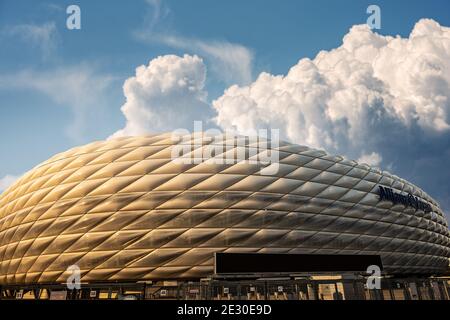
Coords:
pixel 407 200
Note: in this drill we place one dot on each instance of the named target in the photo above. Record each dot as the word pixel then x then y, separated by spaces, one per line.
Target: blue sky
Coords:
pixel 63 87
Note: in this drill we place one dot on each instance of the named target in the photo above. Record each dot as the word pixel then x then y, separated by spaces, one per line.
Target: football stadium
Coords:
pixel 133 221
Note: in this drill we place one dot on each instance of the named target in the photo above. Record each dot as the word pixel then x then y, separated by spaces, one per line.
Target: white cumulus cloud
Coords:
pixel 166 94
pixel 351 98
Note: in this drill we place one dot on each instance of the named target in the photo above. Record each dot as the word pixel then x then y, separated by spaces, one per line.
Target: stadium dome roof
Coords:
pixel 123 209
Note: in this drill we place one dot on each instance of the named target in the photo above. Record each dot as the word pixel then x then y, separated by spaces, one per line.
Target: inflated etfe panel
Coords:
pixel 124 210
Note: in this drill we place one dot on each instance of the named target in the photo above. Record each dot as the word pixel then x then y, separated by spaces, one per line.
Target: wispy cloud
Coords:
pixel 7 180
pixel 78 87
pixel 157 12
pixel 42 36
pixel 229 62
pixel 372 159
pixel 54 7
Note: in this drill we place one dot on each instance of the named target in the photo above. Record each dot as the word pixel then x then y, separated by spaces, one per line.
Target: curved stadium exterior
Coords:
pixel 123 210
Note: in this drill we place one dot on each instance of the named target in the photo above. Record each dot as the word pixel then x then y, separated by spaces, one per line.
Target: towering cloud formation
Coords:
pixel 355 98
pixel 379 99
pixel 167 94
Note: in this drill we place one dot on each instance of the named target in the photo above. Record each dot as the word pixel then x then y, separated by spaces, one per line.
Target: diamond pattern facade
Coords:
pixel 123 210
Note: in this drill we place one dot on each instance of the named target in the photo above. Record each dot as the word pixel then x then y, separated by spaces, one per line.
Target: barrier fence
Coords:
pixel 303 289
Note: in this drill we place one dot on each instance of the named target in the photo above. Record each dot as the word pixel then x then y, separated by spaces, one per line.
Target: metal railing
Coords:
pixel 263 289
